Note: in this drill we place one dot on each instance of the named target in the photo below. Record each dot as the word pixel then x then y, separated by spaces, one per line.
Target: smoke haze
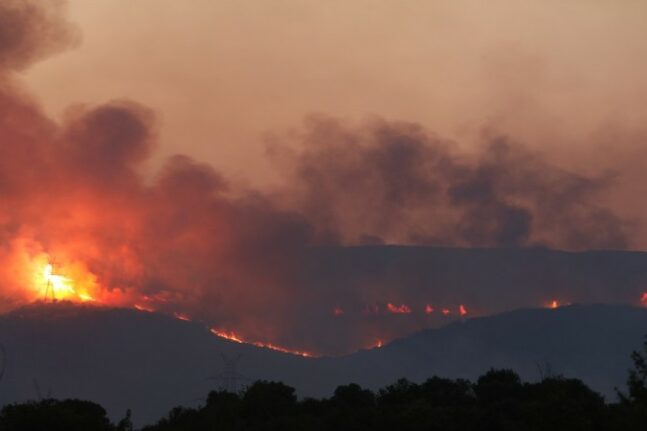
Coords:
pixel 79 192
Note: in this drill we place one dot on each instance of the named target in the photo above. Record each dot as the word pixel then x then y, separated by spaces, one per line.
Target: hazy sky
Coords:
pixel 221 74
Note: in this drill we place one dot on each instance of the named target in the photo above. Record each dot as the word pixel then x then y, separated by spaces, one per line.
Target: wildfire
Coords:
pixel 446 311
pixel 181 316
pixel 59 285
pixel 56 286
pixel 429 309
pixel 402 309
pixel 553 304
pixel 232 336
pixel 643 298
pixel 462 310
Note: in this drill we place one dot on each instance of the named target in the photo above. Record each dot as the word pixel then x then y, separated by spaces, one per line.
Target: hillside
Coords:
pixel 150 362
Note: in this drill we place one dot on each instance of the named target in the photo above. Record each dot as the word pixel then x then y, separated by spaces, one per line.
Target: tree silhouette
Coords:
pixel 54 415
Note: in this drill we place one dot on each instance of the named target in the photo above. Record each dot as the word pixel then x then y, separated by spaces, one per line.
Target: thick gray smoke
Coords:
pixel 395 182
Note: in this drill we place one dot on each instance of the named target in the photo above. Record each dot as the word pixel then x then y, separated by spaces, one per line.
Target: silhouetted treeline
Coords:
pixel 497 401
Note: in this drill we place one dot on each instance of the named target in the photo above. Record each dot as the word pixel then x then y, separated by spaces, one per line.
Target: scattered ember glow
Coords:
pixel 338 311
pixel 446 311
pixel 462 310
pixel 181 316
pixel 142 308
pixel 402 309
pixel 429 309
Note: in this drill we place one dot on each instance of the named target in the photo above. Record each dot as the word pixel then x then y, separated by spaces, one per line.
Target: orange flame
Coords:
pixel 181 316
pixel 232 336
pixel 402 309
pixel 282 349
pixel 554 304
pixel 462 310
pixel 143 308
pixel 73 283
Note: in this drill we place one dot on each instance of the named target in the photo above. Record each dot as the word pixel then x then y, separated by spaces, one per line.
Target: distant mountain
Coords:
pixel 590 342
pixel 494 280
pixel 150 362
pixel 485 281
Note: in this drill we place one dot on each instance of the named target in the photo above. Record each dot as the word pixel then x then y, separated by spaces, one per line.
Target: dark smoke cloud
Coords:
pixel 395 182
pixel 187 240
pixel 31 30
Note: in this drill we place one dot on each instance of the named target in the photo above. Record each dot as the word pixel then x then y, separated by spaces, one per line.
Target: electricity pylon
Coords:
pixel 230 379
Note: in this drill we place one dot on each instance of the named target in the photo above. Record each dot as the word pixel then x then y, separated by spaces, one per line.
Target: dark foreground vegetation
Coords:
pixel 498 400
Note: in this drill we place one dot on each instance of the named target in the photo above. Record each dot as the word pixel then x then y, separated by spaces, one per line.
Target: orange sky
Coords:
pixel 221 74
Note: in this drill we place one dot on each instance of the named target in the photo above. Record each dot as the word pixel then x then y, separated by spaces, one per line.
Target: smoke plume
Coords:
pixel 187 240
pixel 395 182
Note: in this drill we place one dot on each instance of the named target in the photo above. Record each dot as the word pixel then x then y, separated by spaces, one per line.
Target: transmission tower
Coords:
pixel 230 379
pixel 49 287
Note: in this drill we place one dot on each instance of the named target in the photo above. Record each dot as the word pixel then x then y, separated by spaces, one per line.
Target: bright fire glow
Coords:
pixel 402 309
pixel 429 309
pixel 231 336
pixel 62 286
pixel 462 310
pixel 554 304
pixel 446 311
pixel 643 299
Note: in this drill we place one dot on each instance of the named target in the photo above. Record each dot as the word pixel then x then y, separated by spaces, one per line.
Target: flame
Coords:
pixel 73 283
pixel 462 310
pixel 446 311
pixel 553 304
pixel 61 286
pixel 282 349
pixel 181 316
pixel 429 309
pixel 402 309
pixel 643 298
pixel 232 336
